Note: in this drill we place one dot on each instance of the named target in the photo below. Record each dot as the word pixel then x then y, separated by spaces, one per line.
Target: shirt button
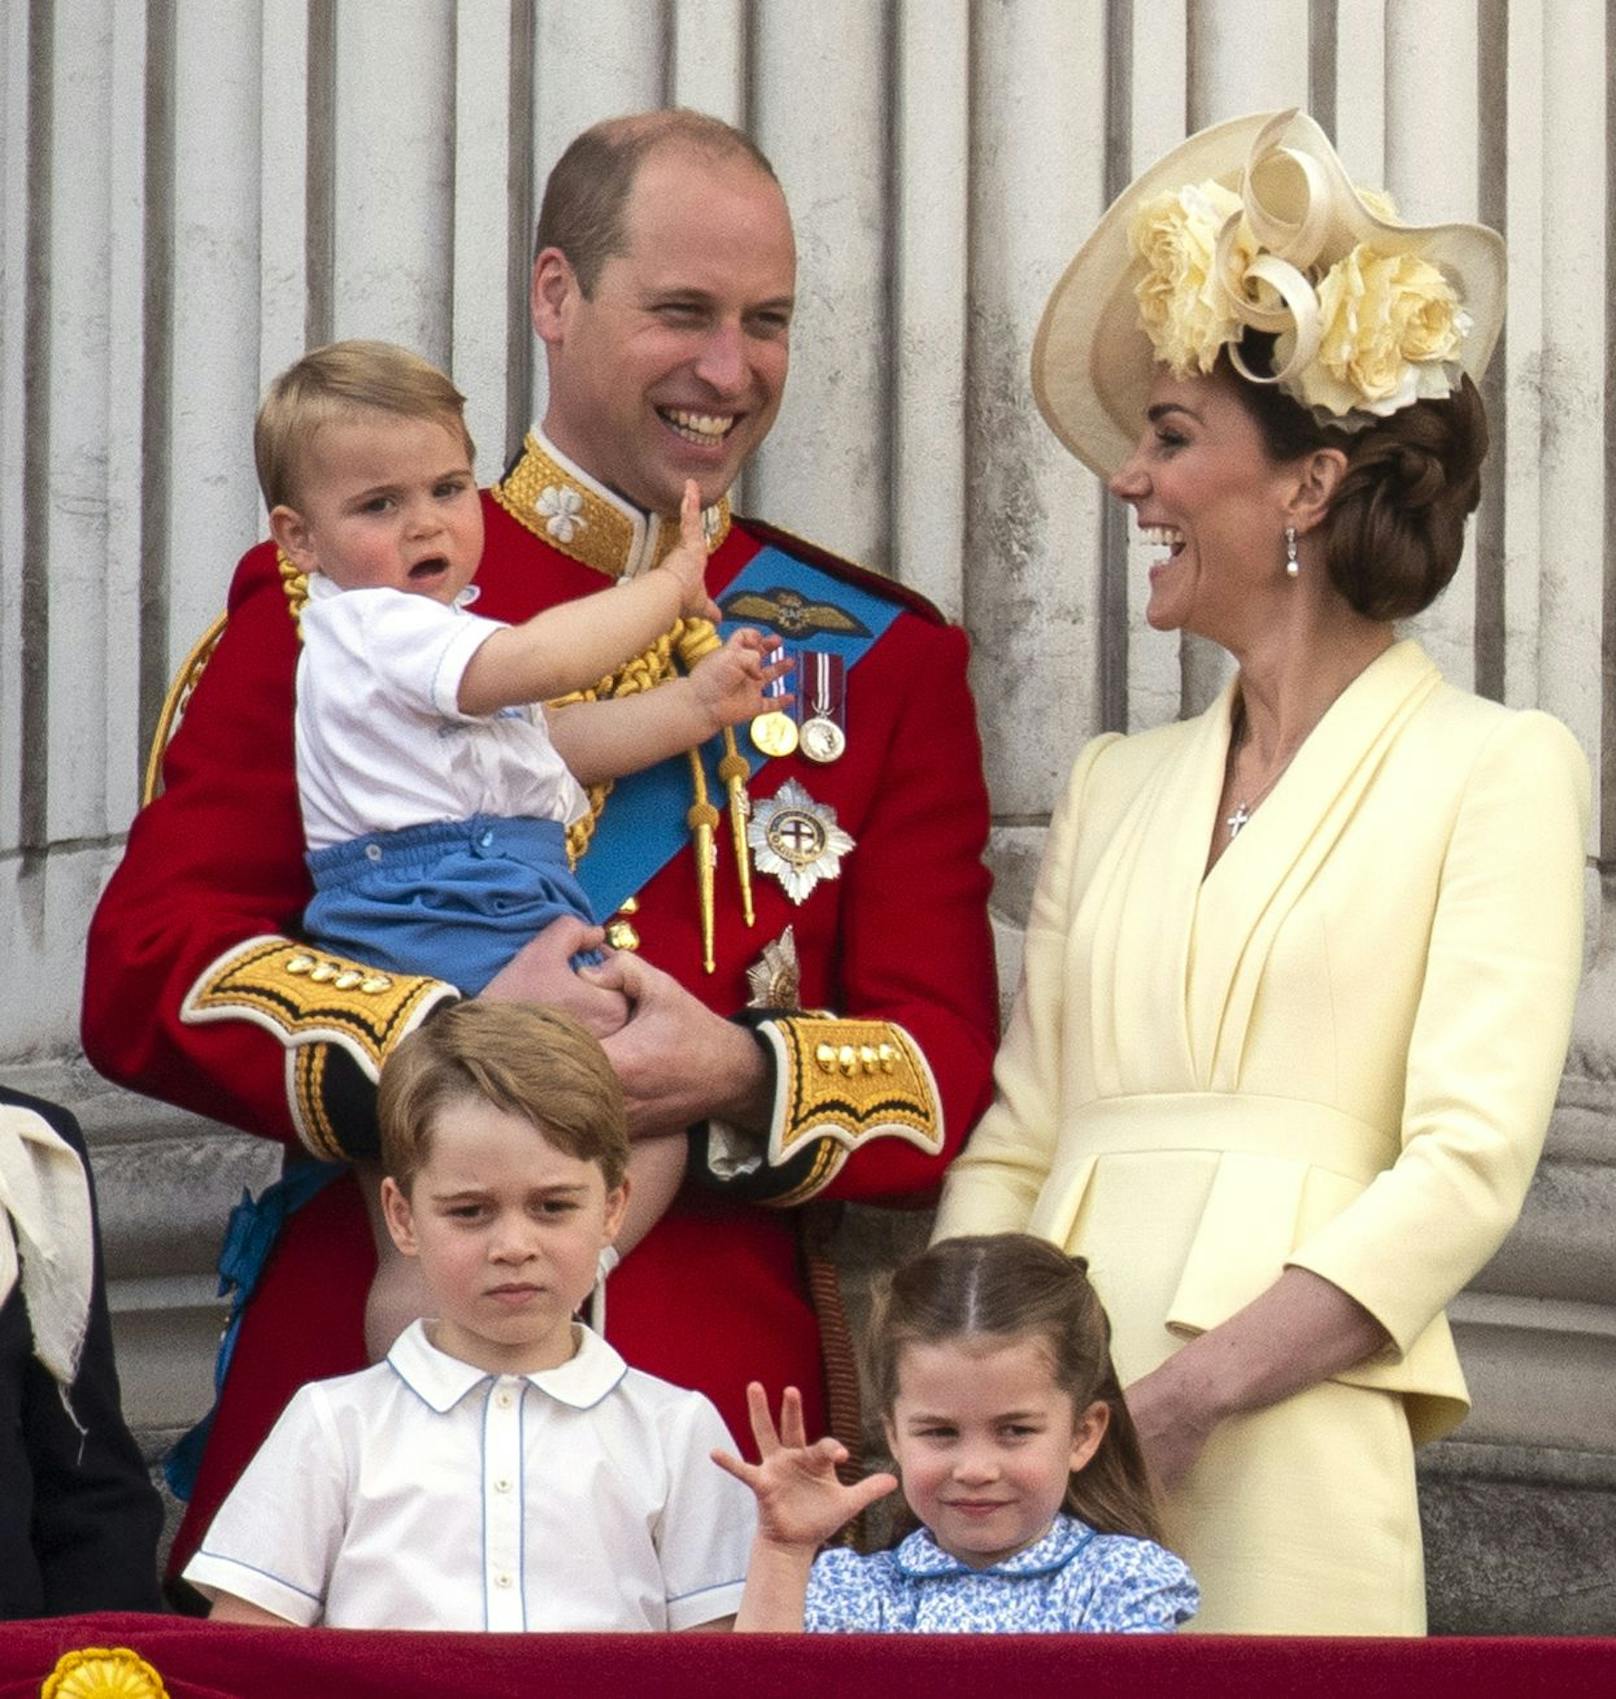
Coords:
pixel 502 1485
pixel 503 1400
pixel 502 1580
pixel 486 840
pixel 373 852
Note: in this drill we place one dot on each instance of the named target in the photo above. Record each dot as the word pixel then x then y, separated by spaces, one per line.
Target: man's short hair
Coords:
pixel 336 382
pixel 532 1062
pixel 589 187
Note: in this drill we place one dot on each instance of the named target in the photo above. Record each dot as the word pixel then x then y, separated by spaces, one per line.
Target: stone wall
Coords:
pixel 190 193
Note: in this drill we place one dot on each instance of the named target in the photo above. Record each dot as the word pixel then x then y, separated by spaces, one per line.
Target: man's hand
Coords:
pixel 541 972
pixel 679 1062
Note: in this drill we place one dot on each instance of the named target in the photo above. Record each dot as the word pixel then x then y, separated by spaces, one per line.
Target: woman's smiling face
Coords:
pixel 1202 485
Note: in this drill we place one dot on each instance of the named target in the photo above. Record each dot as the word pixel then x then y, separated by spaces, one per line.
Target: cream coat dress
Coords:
pixel 1338 1051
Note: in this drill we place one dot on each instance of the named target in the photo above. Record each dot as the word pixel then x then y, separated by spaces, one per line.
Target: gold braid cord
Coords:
pixel 676 651
pixel 841 1083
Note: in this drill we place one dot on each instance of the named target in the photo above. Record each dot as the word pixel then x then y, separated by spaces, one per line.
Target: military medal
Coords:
pixel 775 733
pixel 824 699
pixel 797 840
pixel 776 977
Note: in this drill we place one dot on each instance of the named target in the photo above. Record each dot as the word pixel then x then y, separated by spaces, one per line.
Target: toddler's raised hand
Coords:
pixel 800 1501
pixel 729 682
pixel 688 561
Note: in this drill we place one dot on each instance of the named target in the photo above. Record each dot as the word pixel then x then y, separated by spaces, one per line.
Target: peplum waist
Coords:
pixel 1281 1168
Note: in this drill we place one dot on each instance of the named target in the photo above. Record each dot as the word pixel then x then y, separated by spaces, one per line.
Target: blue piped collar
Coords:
pixel 920 1557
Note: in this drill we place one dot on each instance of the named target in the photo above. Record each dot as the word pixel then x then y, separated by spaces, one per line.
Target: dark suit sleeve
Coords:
pixel 96 1514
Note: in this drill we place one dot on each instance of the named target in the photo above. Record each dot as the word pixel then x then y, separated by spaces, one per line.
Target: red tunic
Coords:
pixel 715 1295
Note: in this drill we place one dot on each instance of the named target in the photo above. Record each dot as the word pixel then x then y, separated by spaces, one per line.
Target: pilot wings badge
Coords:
pixel 797 839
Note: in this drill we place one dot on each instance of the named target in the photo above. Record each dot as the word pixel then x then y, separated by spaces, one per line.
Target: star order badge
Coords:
pixel 797 840
pixel 776 977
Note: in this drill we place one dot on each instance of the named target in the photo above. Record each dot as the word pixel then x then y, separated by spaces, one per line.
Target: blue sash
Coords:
pixel 643 825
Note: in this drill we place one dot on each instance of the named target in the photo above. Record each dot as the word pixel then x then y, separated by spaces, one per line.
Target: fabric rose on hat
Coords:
pixel 1389 322
pixel 1183 308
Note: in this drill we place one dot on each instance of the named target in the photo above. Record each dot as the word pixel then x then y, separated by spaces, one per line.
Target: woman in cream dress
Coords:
pixel 1299 971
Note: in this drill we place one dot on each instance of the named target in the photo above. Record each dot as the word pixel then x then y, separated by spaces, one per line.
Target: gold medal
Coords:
pixel 775 733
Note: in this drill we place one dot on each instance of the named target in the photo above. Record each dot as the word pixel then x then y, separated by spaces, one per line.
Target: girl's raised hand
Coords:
pixel 800 1501
pixel 688 561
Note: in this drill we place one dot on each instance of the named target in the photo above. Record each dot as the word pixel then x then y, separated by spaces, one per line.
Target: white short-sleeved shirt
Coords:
pixel 427 1493
pixel 381 741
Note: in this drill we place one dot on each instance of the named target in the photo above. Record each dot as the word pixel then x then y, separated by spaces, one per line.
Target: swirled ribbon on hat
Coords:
pixel 1301 231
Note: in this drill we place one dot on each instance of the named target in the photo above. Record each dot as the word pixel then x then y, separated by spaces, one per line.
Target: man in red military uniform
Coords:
pixel 662 292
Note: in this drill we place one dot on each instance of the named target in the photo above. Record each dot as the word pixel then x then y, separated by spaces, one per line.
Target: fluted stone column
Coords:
pixel 190 194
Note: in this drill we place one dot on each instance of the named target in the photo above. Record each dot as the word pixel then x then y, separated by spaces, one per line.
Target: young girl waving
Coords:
pixel 991 1360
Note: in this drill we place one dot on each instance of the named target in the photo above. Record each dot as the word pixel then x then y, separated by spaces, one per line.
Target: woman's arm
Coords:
pixel 1302 1330
pixel 994 1183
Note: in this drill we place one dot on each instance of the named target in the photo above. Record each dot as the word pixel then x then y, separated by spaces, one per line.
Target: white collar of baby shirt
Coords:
pixel 921 1559
pixel 441 1381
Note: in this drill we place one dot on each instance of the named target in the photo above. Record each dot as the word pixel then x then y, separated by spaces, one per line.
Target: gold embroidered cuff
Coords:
pixel 332 1017
pixel 838 1085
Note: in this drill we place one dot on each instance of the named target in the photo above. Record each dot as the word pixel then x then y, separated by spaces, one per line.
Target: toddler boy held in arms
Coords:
pixel 435 790
pixel 503 1469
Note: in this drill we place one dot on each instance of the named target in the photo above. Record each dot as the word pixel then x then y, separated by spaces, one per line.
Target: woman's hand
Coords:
pixel 800 1501
pixel 1301 1331
pixel 1175 1419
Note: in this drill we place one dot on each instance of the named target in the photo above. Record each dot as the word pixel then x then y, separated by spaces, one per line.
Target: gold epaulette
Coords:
pixel 312 1000
pixel 838 1085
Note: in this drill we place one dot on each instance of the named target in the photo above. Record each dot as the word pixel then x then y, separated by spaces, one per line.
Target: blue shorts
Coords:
pixel 455 899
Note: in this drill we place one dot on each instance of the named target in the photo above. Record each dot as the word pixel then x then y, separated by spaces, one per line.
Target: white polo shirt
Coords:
pixel 427 1493
pixel 381 741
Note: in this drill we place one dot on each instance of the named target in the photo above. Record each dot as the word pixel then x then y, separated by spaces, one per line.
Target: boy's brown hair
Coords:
pixel 532 1062
pixel 336 382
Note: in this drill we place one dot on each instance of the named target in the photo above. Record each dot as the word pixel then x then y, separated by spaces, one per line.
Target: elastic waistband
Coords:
pixel 536 843
pixel 1289 1129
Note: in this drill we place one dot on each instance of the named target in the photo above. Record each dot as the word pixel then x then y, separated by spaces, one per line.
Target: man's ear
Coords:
pixel 399 1216
pixel 554 288
pixel 291 533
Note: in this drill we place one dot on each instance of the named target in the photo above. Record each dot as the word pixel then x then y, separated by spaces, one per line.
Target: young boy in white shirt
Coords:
pixel 503 1469
pixel 435 789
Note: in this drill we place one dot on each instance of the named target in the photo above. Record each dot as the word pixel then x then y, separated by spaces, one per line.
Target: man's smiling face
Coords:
pixel 673 368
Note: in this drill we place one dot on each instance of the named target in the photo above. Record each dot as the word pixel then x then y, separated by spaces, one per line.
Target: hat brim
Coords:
pixel 1093 364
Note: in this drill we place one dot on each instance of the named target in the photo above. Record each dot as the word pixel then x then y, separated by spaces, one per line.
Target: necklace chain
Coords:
pixel 1245 807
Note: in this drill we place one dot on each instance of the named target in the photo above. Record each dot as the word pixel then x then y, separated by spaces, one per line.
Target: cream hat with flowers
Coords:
pixel 1255 223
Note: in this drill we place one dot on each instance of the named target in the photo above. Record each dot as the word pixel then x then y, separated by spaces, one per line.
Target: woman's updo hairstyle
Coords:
pixel 1395 528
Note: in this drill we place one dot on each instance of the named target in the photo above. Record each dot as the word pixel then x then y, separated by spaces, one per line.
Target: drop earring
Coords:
pixel 1292 566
